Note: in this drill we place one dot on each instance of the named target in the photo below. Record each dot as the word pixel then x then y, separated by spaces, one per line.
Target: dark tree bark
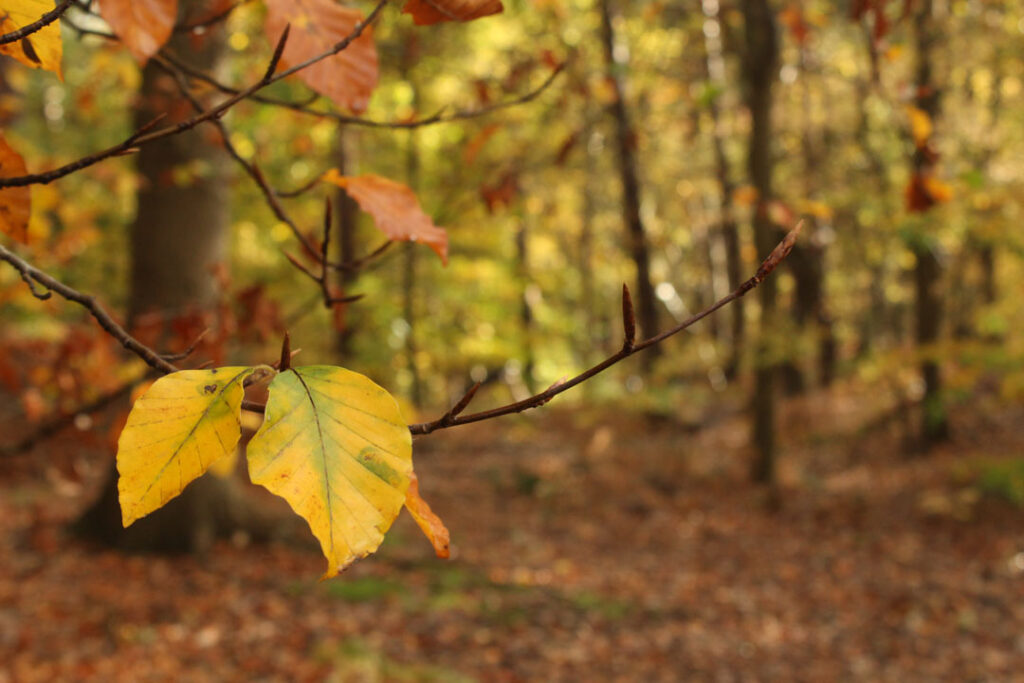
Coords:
pixel 760 61
pixel 928 270
pixel 412 167
pixel 625 145
pixel 346 213
pixel 728 229
pixel 525 307
pixel 178 237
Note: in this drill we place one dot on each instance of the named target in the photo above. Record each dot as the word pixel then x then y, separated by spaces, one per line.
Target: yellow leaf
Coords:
pixel 15 202
pixel 920 125
pixel 431 525
pixel 40 50
pixel 184 423
pixel 335 446
pixel 225 467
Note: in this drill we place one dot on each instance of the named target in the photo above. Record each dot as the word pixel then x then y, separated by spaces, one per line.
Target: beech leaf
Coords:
pixel 15 202
pixel 430 524
pixel 396 211
pixel 183 424
pixel 144 26
pixel 426 12
pixel 347 78
pixel 40 50
pixel 334 445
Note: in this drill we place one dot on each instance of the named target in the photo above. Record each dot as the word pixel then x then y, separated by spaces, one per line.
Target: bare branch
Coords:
pixel 777 255
pixel 305 108
pixel 151 357
pixel 207 115
pixel 59 422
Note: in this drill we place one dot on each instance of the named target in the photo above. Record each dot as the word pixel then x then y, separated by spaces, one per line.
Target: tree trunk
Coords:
pixel 728 229
pixel 759 66
pixel 625 142
pixel 346 213
pixel 525 307
pixel 412 169
pixel 178 237
pixel 928 270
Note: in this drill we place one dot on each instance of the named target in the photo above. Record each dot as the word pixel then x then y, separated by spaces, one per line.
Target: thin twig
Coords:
pixel 43 21
pixel 208 115
pixel 59 422
pixel 151 357
pixel 451 418
pixel 304 107
pixel 251 168
pixel 767 266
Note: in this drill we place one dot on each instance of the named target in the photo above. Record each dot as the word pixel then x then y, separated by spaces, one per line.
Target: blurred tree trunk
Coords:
pixel 928 270
pixel 760 60
pixel 346 213
pixel 412 179
pixel 728 229
pixel 808 257
pixel 525 307
pixel 409 285
pixel 178 237
pixel 625 143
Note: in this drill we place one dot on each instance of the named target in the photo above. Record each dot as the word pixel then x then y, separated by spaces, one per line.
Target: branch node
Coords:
pixel 628 320
pixel 463 403
pixel 278 51
pixel 286 354
pixel 780 252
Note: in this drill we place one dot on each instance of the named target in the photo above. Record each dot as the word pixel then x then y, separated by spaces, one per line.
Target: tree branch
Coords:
pixel 451 418
pixel 141 137
pixel 304 108
pixel 43 21
pixel 31 273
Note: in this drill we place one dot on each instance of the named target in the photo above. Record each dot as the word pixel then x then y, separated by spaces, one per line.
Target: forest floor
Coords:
pixel 587 546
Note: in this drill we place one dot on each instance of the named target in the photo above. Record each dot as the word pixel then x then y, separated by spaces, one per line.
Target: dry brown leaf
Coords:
pixel 426 12
pixel 142 25
pixel 395 209
pixel 15 202
pixel 431 525
pixel 347 78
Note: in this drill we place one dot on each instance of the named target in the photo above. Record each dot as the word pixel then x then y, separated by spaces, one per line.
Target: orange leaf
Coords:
pixel 920 125
pixel 142 25
pixel 347 78
pixel 431 525
pixel 938 190
pixel 395 209
pixel 476 144
pixel 426 12
pixel 15 202
pixel 924 192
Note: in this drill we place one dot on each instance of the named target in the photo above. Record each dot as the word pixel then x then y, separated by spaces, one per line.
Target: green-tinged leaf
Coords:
pixel 185 422
pixel 335 446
